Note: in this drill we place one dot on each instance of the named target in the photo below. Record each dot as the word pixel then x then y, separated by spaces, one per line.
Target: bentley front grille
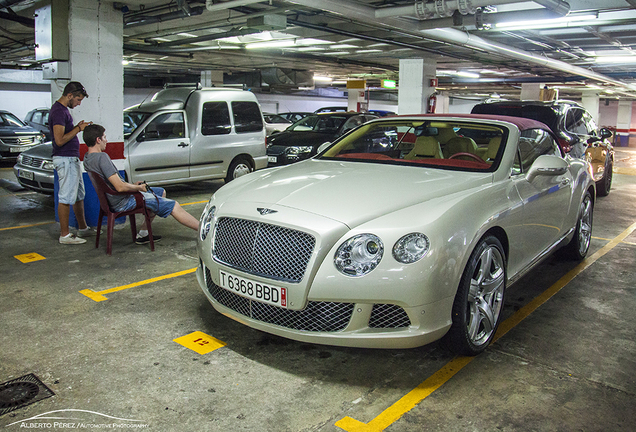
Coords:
pixel 262 249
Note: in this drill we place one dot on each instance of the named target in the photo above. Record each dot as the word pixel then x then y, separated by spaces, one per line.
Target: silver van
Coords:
pixel 186 134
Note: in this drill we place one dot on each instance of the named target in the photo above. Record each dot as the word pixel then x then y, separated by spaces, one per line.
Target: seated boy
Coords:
pixel 98 161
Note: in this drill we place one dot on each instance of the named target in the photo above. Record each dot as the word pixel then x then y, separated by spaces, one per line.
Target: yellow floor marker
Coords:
pixel 30 257
pixel 99 296
pixel 200 342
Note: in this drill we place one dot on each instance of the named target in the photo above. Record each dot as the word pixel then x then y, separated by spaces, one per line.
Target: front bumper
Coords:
pixel 363 325
pixel 35 179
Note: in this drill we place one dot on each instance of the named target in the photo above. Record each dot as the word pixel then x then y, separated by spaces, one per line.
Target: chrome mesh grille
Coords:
pixel 388 316
pixel 31 161
pixel 317 316
pixel 262 249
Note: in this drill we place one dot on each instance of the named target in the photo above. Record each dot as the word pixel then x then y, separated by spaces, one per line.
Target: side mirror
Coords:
pixel 322 147
pixel 547 165
pixel 141 137
pixel 605 133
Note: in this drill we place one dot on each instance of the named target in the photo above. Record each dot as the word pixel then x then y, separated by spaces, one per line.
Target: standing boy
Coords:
pixel 67 164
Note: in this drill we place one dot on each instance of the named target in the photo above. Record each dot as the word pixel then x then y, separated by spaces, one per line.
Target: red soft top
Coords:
pixel 520 122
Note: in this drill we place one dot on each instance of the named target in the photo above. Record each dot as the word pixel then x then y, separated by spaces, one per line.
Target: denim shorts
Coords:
pixel 69 173
pixel 160 206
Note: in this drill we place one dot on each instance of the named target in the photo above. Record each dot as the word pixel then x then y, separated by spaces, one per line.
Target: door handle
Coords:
pixel 183 144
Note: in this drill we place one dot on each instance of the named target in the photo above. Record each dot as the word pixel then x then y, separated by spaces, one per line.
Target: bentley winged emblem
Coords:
pixel 265 211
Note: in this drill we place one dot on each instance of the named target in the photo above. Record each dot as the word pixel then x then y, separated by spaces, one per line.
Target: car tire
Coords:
pixel 479 300
pixel 604 185
pixel 580 244
pixel 239 167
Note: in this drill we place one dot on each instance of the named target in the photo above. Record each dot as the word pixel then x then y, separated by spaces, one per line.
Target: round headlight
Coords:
pixel 206 222
pixel 411 248
pixel 359 255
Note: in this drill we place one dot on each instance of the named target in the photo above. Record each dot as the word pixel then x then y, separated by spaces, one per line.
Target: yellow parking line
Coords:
pixel 606 239
pixel 415 396
pixel 98 296
pixel 196 202
pixel 25 226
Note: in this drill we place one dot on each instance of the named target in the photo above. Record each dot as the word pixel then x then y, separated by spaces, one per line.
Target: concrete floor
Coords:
pixel 569 366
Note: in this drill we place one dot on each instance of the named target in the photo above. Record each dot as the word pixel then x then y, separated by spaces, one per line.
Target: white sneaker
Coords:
pixel 71 238
pixel 87 232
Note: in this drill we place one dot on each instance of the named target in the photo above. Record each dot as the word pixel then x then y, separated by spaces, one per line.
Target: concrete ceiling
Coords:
pixel 563 45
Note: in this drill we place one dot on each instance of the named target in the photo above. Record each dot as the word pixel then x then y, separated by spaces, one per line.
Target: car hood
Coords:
pixel 10 131
pixel 305 138
pixel 349 192
pixel 42 151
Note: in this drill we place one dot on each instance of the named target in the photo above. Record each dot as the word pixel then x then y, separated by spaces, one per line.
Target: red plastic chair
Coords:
pixel 104 210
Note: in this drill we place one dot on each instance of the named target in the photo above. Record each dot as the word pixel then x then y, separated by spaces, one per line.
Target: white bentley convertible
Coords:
pixel 406 230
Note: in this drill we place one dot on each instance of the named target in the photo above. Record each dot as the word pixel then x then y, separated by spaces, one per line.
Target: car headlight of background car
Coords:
pixel 206 221
pixel 297 150
pixel 411 248
pixel 359 255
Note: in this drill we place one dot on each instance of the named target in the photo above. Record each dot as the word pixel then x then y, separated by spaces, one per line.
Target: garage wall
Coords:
pixel 22 98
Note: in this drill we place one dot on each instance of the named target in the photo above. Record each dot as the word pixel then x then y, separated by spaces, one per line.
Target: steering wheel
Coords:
pixel 470 155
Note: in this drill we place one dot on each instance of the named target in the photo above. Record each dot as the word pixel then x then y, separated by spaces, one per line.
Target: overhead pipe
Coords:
pixel 211 6
pixel 151 19
pixel 452 36
pixel 442 8
pixel 5 4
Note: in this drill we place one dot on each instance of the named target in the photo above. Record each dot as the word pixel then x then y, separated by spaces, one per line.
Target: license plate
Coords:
pixel 16 149
pixel 272 159
pixel 259 291
pixel 25 174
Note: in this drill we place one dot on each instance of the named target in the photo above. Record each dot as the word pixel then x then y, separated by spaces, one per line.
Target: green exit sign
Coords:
pixel 389 84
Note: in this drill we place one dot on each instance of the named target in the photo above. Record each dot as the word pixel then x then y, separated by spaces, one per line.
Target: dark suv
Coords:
pixel 576 131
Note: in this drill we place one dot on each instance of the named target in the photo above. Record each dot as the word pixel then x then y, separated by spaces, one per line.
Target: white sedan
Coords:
pixel 404 231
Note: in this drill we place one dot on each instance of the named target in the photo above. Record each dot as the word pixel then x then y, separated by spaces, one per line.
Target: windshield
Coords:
pixel 316 123
pixel 132 120
pixel 456 145
pixel 9 119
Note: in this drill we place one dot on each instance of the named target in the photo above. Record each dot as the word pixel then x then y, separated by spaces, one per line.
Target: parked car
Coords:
pixel 381 241
pixel 294 116
pixel 183 134
pixel 39 119
pixel 381 113
pixel 16 136
pixel 275 123
pixel 186 134
pixel 302 139
pixel 576 131
pixel 34 169
pixel 331 109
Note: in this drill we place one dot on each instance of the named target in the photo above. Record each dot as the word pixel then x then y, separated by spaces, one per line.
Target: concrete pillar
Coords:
pixel 590 100
pixel 414 85
pixel 95 33
pixel 623 122
pixel 443 104
pixel 530 91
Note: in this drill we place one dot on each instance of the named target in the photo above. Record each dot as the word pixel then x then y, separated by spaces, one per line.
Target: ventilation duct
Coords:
pixel 286 77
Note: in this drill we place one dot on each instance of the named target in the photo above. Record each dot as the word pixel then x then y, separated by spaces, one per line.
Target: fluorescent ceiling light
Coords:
pixel 467 74
pixel 336 53
pixel 576 20
pixel 125 62
pixel 186 35
pixel 322 78
pixel 616 59
pixel 340 46
pixel 310 49
pixel 271 44
pixel 368 51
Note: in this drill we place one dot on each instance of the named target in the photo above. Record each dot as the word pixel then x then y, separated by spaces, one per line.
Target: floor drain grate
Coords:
pixel 20 392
